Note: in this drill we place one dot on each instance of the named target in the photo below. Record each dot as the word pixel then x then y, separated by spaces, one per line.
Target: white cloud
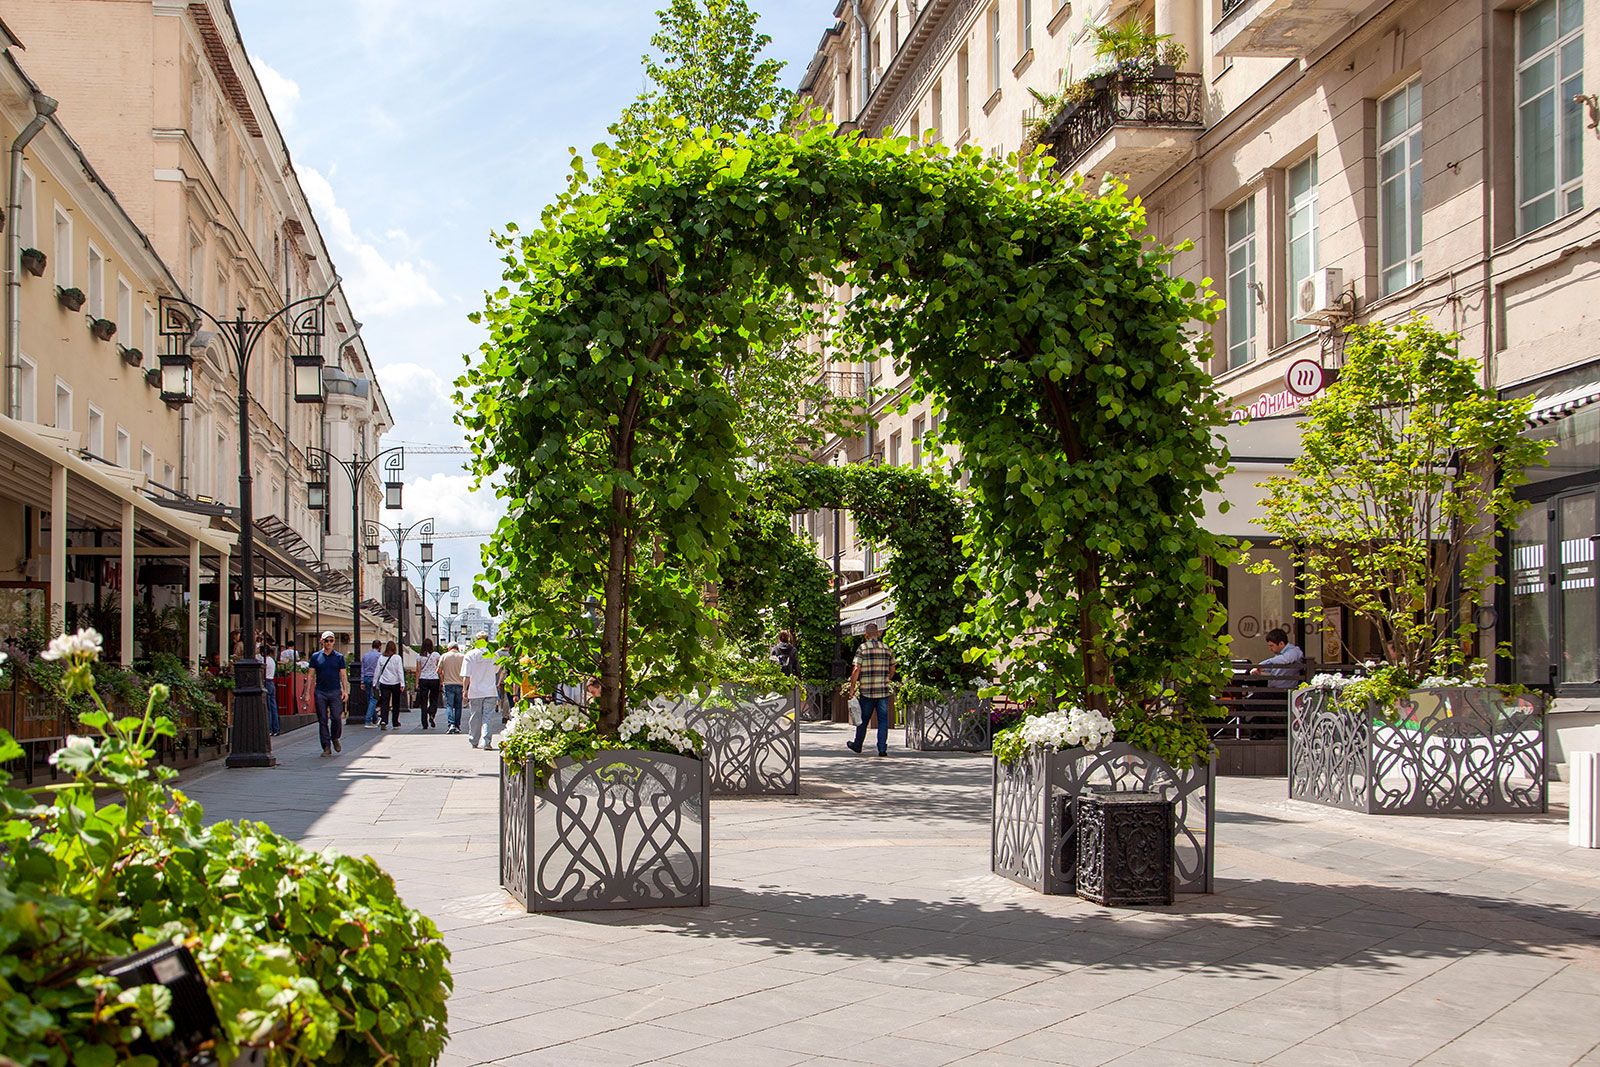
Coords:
pixel 377 285
pixel 283 92
pixel 451 502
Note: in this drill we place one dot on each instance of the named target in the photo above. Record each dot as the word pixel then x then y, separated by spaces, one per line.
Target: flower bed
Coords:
pixel 1046 765
pixel 1451 749
pixel 752 739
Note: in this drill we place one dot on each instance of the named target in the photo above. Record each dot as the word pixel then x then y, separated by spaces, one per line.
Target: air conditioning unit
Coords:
pixel 1319 299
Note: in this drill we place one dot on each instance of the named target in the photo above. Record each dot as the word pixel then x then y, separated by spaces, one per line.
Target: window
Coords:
pixel 918 426
pixel 63 406
pixel 1024 26
pixel 1549 117
pixel 994 48
pixel 167 475
pixel 28 401
pixel 1300 236
pixel 28 219
pixel 1400 189
pixel 916 124
pixel 963 89
pixel 197 265
pixel 97 283
pixel 125 310
pixel 63 249
pixel 844 94
pixel 1241 237
pixel 894 30
pixel 97 434
pixel 936 118
pixel 147 462
pixel 877 63
pixel 894 449
pixel 124 448
pixel 149 333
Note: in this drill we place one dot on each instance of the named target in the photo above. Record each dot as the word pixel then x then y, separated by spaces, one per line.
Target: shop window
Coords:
pixel 1400 188
pixel 1259 603
pixel 1555 610
pixel 1549 114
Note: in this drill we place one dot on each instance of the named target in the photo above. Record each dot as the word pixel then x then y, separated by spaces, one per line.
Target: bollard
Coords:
pixel 1583 818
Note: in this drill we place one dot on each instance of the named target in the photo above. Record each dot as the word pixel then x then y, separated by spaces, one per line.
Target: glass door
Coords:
pixel 1555 599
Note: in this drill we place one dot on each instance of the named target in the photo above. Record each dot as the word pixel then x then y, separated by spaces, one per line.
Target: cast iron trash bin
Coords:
pixel 1125 848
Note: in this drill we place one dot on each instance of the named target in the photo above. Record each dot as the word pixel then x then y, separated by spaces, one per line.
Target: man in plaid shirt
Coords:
pixel 870 680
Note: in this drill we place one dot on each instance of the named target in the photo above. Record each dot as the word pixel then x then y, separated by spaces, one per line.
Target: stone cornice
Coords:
pixel 938 27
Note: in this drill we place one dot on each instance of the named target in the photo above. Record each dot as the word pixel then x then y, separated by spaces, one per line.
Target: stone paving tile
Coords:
pixel 858 924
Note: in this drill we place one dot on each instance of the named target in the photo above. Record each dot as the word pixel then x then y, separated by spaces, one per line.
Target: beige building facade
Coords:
pixel 1328 162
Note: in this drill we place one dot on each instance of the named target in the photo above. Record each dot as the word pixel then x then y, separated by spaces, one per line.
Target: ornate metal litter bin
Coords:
pixel 1125 852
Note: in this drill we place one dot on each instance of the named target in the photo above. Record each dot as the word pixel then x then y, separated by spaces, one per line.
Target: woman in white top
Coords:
pixel 390 677
pixel 429 691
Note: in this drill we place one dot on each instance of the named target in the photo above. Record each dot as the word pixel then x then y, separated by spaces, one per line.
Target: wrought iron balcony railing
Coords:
pixel 1229 5
pixel 1125 100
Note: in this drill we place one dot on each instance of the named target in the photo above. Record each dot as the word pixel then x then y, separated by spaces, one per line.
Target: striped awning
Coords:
pixel 1548 409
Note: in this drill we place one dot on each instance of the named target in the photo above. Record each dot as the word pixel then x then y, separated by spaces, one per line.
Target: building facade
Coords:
pixel 1325 162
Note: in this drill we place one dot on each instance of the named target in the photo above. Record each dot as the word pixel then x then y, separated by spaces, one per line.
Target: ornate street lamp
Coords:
pixel 391 495
pixel 317 494
pixel 399 533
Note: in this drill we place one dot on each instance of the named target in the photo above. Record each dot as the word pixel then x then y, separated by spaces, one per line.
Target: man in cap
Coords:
pixel 329 667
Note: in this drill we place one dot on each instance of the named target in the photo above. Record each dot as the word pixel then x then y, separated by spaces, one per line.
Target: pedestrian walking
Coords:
pixel 369 668
pixel 428 689
pixel 450 681
pixel 481 695
pixel 786 654
pixel 870 679
pixel 329 668
pixel 391 679
pixel 269 664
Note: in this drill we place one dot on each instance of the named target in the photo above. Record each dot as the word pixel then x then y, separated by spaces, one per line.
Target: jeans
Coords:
pixel 372 700
pixel 390 704
pixel 272 708
pixel 869 705
pixel 452 704
pixel 330 718
pixel 428 700
pixel 482 712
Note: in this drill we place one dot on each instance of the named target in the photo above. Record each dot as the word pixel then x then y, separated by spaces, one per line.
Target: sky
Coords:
pixel 418 128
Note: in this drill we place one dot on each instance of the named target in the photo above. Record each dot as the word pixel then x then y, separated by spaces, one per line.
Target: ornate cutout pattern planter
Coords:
pixel 958 723
pixel 1035 813
pixel 627 829
pixel 752 740
pixel 1446 752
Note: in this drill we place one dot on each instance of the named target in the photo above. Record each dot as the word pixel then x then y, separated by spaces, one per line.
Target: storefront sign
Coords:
pixel 1305 380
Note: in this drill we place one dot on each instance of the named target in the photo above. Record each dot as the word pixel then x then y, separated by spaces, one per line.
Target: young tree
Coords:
pixel 1408 471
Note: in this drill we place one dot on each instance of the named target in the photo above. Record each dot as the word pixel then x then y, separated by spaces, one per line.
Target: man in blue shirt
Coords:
pixel 329 668
pixel 369 670
pixel 1285 668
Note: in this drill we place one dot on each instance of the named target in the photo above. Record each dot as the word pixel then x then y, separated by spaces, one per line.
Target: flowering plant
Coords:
pixel 1068 727
pixel 540 733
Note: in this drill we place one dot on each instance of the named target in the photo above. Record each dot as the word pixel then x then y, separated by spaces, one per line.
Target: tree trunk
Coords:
pixel 613 639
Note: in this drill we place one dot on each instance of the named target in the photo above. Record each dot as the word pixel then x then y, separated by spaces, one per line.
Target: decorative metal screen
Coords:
pixel 752 739
pixel 818 704
pixel 627 829
pixel 1046 787
pixel 957 723
pixel 1445 751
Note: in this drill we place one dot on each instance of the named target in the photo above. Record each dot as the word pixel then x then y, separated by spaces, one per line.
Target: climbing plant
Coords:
pixel 1038 314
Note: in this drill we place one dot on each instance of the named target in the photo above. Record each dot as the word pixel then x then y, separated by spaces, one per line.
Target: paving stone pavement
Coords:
pixel 859 924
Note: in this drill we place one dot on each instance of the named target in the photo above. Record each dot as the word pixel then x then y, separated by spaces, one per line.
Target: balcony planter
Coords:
pixel 957 722
pixel 33 262
pixel 752 739
pixel 1448 751
pixel 134 358
pixel 152 378
pixel 103 329
pixel 1034 838
pixel 626 829
pixel 71 299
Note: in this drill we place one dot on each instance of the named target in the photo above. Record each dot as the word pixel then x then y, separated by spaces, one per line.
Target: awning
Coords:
pixel 874 608
pixel 1548 409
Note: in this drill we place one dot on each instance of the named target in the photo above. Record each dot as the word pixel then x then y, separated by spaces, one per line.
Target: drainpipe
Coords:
pixel 43 108
pixel 864 75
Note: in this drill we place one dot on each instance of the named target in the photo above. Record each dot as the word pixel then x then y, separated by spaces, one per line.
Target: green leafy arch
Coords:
pixel 1039 316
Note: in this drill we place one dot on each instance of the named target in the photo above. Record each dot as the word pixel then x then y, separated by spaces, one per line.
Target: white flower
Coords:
pixel 1068 728
pixel 73 742
pixel 85 642
pixel 3 658
pixel 1329 682
pixel 662 727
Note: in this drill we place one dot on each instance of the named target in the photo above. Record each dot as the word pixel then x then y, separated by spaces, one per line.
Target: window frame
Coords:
pixel 964 88
pixel 94 428
pixel 1309 204
pixel 27 389
pixel 1411 173
pixel 61 234
pixel 1561 193
pixel 124 447
pixel 1024 27
pixel 1249 270
pixel 28 207
pixel 95 281
pixel 124 309
pixel 996 49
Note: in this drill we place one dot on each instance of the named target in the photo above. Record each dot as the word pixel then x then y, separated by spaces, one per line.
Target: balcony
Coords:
pixel 1133 126
pixel 844 384
pixel 1294 29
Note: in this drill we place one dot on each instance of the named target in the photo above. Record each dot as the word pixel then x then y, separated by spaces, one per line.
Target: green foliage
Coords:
pixel 1133 40
pixel 308 957
pixel 731 666
pixel 541 733
pixel 191 696
pixel 1408 469
pixel 1008 746
pixel 908 690
pixel 774 581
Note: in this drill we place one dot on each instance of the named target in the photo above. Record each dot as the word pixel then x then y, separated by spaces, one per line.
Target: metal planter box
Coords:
pixel 752 739
pixel 1452 751
pixel 957 723
pixel 627 829
pixel 1035 813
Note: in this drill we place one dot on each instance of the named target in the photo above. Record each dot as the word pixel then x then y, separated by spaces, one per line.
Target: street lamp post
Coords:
pixel 249 743
pixel 399 533
pixel 438 595
pixel 320 461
